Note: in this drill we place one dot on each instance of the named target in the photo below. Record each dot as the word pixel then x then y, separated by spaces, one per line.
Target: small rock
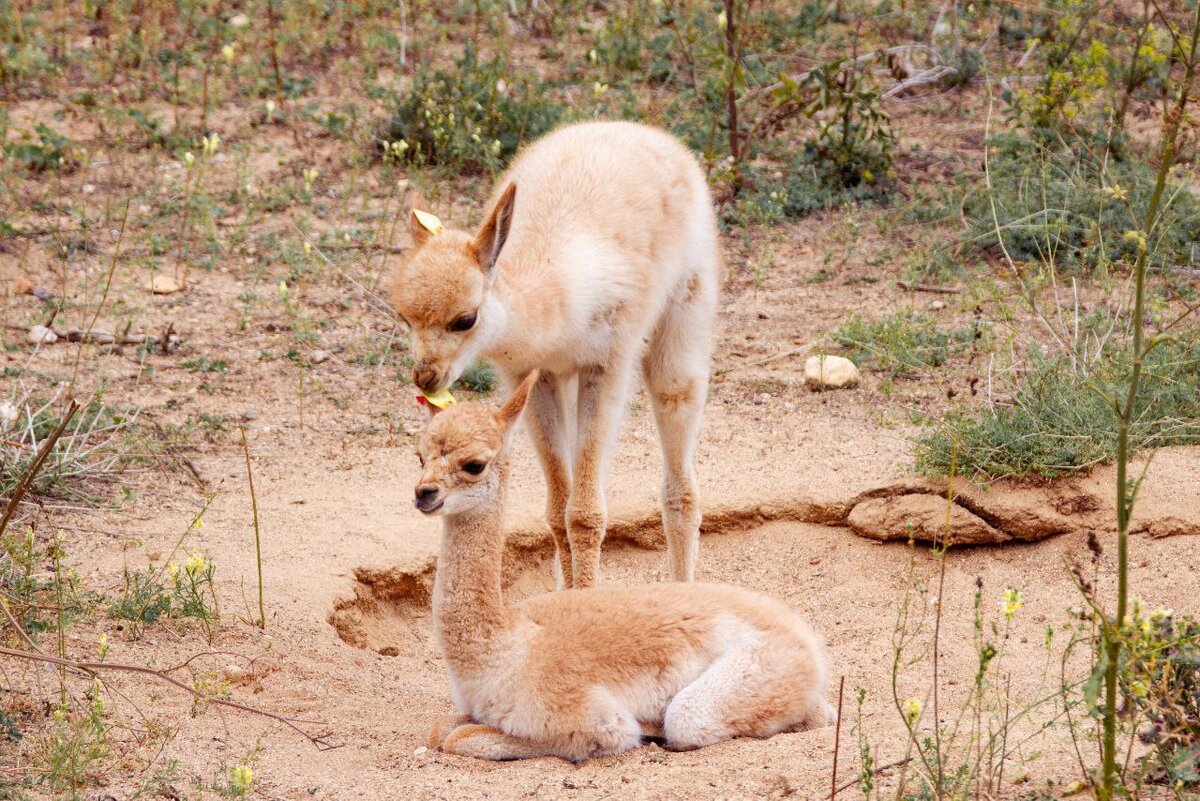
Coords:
pixel 319 356
pixel 420 751
pixel 937 305
pixel 89 189
pixel 234 673
pixel 163 285
pixel 102 337
pixel 830 372
pixel 41 335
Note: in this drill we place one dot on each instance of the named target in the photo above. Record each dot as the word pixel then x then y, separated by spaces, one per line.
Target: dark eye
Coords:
pixel 474 468
pixel 464 322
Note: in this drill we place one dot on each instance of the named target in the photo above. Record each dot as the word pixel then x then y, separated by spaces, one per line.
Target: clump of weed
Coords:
pixel 51 150
pixel 77 742
pixel 473 117
pixel 174 590
pixel 900 344
pixel 1063 206
pixel 1163 679
pixel 91 449
pixel 1058 422
pixel 480 377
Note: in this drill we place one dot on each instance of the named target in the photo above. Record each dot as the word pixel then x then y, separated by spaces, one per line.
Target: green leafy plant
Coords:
pixel 1162 677
pixel 901 344
pixel 51 151
pixel 1057 422
pixel 480 377
pixel 473 117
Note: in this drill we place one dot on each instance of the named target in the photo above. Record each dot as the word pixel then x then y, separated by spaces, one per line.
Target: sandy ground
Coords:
pixel 327 512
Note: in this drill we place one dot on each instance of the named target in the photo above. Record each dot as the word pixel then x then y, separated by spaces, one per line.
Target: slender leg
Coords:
pixel 756 691
pixel 443 726
pixel 484 742
pixel 675 369
pixel 544 416
pixel 600 405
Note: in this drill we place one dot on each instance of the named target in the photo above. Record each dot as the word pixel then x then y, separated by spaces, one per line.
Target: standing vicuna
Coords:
pixel 585 673
pixel 598 251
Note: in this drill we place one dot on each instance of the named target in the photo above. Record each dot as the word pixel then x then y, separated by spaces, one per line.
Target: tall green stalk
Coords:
pixel 1112 630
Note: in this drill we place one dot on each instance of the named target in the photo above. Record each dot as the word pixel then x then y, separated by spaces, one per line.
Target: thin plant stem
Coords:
pixel 262 615
pixel 837 738
pixel 1111 631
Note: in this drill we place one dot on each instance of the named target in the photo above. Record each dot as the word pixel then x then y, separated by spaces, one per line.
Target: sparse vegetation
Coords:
pixel 901 344
pixel 1057 421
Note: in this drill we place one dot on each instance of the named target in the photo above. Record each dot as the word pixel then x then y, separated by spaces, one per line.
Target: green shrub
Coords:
pixel 853 144
pixel 1060 423
pixel 473 117
pixel 480 377
pixel 51 151
pixel 1058 205
pixel 900 344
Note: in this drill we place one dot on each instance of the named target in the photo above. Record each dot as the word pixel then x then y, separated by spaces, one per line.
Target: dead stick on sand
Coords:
pixel 319 740
pixel 837 738
pixel 941 290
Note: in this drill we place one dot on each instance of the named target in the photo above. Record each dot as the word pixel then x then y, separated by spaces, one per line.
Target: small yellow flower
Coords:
pixel 211 143
pixel 241 777
pixel 307 248
pixel 196 563
pixel 270 108
pixel 912 709
pixel 189 159
pixel 103 642
pixel 868 176
pixel 1136 237
pixel 598 89
pixel 310 176
pixel 1011 603
pixel 283 289
pixel 722 21
pixel 228 52
pixel 1116 192
pixel 592 57
pixel 172 570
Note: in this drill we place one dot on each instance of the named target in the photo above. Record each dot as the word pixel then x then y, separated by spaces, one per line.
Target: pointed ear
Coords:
pixel 494 233
pixel 511 410
pixel 421 224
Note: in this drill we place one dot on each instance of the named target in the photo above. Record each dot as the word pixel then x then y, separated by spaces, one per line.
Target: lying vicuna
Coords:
pixel 586 673
pixel 598 253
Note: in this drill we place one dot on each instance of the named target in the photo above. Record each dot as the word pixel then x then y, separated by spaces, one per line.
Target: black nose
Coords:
pixel 425 377
pixel 427 498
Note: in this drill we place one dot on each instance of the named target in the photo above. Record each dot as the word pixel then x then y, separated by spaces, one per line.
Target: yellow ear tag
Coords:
pixel 429 222
pixel 440 399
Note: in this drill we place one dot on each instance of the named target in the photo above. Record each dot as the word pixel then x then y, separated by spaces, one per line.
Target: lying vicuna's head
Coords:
pixel 443 292
pixel 461 451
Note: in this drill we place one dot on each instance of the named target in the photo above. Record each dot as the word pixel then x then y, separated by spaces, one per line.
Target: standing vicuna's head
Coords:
pixel 443 292
pixel 461 451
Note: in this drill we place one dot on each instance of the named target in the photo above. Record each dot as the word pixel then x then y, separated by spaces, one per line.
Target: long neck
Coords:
pixel 533 304
pixel 468 605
